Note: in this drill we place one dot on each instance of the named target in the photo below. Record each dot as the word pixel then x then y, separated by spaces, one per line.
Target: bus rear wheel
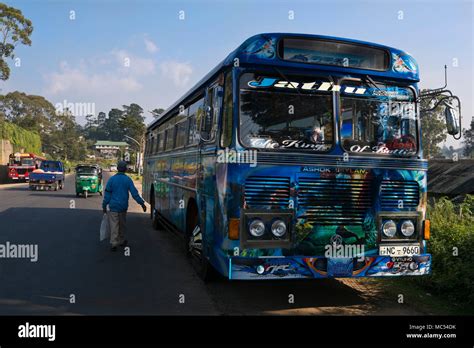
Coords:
pixel 194 250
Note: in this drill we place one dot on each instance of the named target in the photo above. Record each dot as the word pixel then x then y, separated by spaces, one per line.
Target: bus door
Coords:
pixel 206 186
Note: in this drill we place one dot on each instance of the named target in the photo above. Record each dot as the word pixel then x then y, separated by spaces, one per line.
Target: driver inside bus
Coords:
pixel 316 134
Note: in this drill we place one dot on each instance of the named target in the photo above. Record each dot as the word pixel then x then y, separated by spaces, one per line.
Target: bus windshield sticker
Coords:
pixel 381 120
pixel 274 116
pixel 263 48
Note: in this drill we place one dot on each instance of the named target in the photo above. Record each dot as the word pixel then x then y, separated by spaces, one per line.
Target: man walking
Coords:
pixel 116 197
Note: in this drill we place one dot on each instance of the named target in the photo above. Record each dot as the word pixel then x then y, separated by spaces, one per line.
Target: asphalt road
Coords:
pixel 154 279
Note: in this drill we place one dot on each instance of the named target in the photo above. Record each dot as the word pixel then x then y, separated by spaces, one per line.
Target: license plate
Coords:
pixel 42 181
pixel 399 250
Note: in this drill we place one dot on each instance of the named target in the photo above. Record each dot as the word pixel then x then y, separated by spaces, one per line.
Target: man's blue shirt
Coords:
pixel 116 193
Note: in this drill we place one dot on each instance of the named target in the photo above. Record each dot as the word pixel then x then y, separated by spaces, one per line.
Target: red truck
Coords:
pixel 20 165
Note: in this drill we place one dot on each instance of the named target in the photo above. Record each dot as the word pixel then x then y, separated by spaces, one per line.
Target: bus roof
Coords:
pixel 266 49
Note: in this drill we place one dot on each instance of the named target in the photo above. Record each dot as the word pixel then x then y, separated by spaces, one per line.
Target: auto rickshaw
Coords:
pixel 88 179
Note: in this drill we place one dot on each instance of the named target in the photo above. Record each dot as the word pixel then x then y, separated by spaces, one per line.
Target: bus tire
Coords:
pixel 155 220
pixel 194 247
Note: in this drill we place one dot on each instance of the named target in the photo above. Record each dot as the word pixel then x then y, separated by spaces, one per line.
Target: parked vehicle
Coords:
pixel 49 175
pixel 113 168
pixel 20 165
pixel 88 179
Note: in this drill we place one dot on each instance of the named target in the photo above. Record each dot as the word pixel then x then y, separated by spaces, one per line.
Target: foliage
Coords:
pixel 60 135
pixel 433 128
pixel 452 248
pixel 14 29
pixel 120 123
pixel 65 141
pixel 468 141
pixel 31 112
pixel 132 121
pixel 20 138
pixel 157 112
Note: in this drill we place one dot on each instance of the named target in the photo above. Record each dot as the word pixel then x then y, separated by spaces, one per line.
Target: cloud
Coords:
pixel 134 65
pixel 118 70
pixel 150 45
pixel 179 73
pixel 69 79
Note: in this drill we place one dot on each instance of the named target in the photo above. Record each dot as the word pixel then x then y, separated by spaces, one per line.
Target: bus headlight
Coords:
pixel 257 228
pixel 389 228
pixel 407 228
pixel 278 228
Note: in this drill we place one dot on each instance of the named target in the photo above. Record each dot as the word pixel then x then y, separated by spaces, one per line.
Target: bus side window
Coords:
pixel 155 144
pixel 191 130
pixel 206 123
pixel 161 138
pixel 226 133
pixel 195 111
pixel 170 138
pixel 165 140
pixel 149 143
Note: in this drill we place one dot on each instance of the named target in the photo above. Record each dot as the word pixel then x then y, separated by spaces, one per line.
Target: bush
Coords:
pixel 452 232
pixel 20 137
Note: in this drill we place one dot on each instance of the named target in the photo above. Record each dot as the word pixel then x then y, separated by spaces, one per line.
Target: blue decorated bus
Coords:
pixel 298 156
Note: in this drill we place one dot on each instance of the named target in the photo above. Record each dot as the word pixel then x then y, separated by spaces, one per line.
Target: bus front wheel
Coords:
pixel 194 249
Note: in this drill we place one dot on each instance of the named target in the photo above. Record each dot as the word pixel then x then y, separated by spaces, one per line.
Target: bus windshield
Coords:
pixel 27 162
pixel 378 120
pixel 21 161
pixel 284 119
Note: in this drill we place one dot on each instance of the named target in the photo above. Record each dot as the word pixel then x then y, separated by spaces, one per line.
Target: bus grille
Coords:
pixel 334 201
pixel 267 192
pixel 393 192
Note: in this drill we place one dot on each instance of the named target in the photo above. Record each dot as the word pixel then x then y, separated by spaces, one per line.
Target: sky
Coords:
pixel 111 53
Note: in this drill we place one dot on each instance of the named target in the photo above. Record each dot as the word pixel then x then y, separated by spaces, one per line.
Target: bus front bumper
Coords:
pixel 320 267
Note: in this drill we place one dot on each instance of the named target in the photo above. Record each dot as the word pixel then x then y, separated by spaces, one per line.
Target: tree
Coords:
pixel 66 142
pixel 14 29
pixel 60 135
pixel 112 127
pixel 132 121
pixel 433 128
pixel 101 117
pixel 468 141
pixel 31 112
pixel 157 112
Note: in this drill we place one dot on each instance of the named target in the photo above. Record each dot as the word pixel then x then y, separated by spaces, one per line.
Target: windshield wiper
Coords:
pixel 374 84
pixel 286 79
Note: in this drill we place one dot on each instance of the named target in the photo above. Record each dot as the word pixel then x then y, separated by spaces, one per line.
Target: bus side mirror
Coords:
pixel 452 118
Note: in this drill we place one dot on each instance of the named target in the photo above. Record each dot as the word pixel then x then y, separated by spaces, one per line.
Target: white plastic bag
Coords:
pixel 104 228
